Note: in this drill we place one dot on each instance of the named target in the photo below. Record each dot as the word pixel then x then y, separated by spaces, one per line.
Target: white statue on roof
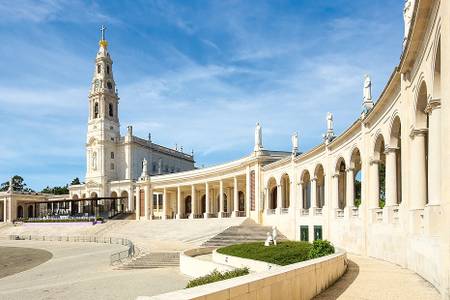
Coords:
pixel 258 138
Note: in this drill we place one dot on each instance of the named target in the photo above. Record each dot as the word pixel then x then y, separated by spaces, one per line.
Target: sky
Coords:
pixel 194 73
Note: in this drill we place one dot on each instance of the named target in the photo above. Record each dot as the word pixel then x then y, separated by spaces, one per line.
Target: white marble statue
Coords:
pixel 274 235
pixel 269 240
pixel 294 140
pixel 329 135
pixel 367 92
pixel 407 17
pixel 367 88
pixel 144 169
pixel 258 137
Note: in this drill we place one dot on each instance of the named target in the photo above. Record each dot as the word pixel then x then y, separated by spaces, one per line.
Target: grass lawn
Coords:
pixel 285 253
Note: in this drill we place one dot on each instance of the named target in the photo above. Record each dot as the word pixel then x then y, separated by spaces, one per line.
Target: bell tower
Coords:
pixel 103 133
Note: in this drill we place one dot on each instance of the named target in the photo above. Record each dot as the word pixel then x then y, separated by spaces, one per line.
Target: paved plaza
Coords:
pixel 82 271
pixel 368 278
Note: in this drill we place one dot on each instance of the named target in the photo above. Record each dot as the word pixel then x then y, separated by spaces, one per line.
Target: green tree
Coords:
pixel 57 190
pixel 76 180
pixel 382 182
pixel 18 185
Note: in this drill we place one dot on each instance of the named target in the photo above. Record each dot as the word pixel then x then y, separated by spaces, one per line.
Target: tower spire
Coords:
pixel 103 42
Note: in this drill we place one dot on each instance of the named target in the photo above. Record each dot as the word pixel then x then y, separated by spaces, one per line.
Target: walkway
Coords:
pixel 82 271
pixel 368 278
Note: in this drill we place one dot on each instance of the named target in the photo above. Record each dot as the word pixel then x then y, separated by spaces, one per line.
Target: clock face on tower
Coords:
pixel 109 84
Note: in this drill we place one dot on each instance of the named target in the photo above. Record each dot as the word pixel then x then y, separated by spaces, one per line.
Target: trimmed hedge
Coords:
pixel 320 248
pixel 217 276
pixel 285 253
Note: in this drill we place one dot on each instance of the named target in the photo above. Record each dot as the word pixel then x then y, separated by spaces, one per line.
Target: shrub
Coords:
pixel 320 248
pixel 285 253
pixel 217 276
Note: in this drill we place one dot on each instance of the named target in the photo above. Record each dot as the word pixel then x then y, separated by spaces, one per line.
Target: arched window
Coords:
pixel 111 110
pixel 107 69
pixel 99 68
pixel 96 110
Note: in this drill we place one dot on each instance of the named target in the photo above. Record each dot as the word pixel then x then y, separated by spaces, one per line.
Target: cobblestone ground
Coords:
pixel 368 278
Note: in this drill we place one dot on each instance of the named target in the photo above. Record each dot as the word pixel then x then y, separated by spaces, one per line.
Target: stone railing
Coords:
pixel 284 210
pixel 379 215
pixel 192 266
pixel 302 280
pixel 355 211
pixel 339 213
pixel 318 211
pixel 116 257
pixel 395 214
pixel 305 211
pixel 225 214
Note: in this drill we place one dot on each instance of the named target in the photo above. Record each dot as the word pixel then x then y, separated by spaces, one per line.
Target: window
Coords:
pixel 99 68
pixel 317 232
pixel 96 110
pixel 107 69
pixel 154 167
pixel 111 110
pixel 112 166
pixel 304 234
pixel 112 155
pixel 109 85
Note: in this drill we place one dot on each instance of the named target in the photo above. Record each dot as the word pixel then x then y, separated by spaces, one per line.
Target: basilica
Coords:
pixel 379 189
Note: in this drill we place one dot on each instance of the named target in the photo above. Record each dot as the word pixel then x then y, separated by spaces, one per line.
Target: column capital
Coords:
pixel 313 179
pixel 374 161
pixel 388 149
pixel 418 132
pixel 432 105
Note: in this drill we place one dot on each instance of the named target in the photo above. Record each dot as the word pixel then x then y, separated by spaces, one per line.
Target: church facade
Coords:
pixel 113 160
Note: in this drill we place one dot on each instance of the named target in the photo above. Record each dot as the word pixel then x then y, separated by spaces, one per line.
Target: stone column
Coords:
pixel 350 193
pixel 235 197
pixel 207 202
pixel 391 177
pixel 434 152
pixel 193 203
pixel 146 200
pixel 179 203
pixel 335 191
pixel 279 200
pixel 247 191
pixel 165 205
pixel 5 214
pixel 313 195
pixel 150 203
pixel 418 169
pixel 228 199
pixel 374 185
pixel 220 198
pixel 131 200
pixel 138 203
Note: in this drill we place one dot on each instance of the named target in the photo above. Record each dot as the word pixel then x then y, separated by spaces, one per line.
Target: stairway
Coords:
pixel 124 216
pixel 247 232
pixel 153 260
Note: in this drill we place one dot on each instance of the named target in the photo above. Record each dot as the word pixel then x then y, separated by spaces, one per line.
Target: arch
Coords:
pixel 113 194
pixel 30 211
pixel 319 174
pixel 437 72
pixel 272 190
pixel 285 190
pixel 188 205
pixel 380 160
pixel 75 197
pixel 356 166
pixel 94 195
pixel 203 204
pixel 20 212
pixel 241 202
pixel 306 189
pixel 225 202
pixel 395 138
pixel 420 144
pixel 341 168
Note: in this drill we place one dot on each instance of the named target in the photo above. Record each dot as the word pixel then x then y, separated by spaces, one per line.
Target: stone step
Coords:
pixel 153 260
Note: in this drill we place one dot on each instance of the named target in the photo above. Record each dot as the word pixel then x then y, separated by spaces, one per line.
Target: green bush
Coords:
pixel 285 253
pixel 217 276
pixel 320 248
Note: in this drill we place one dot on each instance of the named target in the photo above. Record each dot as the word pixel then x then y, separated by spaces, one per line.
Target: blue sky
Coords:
pixel 196 73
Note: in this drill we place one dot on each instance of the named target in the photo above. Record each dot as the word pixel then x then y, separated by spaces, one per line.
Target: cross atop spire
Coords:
pixel 103 29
